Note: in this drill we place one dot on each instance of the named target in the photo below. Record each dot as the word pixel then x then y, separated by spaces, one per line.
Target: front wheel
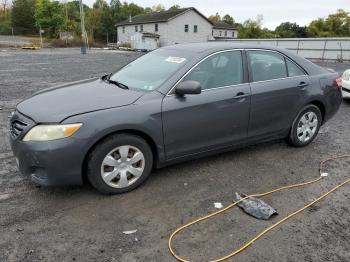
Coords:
pixel 119 164
pixel 305 126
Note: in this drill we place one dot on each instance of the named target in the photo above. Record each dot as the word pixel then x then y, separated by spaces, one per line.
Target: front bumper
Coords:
pixel 57 162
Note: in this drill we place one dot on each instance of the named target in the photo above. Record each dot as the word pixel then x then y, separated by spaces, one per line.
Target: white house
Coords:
pixel 186 25
pixel 222 30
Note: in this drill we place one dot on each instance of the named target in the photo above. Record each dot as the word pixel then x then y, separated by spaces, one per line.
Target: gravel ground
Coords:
pixel 78 224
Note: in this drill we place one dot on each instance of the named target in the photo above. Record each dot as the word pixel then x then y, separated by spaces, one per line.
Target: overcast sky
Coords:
pixel 273 11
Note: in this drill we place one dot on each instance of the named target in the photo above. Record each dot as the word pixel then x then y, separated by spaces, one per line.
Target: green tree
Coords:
pixel 334 25
pixel 94 23
pixel 228 19
pixel 174 7
pixel 49 15
pixel 290 30
pixel 22 17
pixel 339 23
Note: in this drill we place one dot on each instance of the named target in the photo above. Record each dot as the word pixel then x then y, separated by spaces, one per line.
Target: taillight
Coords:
pixel 338 83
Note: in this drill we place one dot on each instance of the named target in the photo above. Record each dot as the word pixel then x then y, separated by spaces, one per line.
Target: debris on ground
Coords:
pixel 129 232
pixel 218 205
pixel 256 207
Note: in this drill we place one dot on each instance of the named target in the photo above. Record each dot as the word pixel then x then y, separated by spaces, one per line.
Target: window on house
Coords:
pixel 141 28
pixel 233 34
pixel 195 28
pixel 156 27
pixel 136 28
pixel 212 32
pixel 220 33
pixel 186 28
pixel 225 33
pixel 123 28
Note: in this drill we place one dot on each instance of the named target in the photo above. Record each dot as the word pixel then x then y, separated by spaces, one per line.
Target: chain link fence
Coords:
pixel 17 37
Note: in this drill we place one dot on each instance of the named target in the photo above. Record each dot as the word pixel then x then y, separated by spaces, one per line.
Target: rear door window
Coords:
pixel 219 70
pixel 266 65
pixel 293 69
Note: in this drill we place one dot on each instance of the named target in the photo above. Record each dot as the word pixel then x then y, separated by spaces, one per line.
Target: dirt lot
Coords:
pixel 78 224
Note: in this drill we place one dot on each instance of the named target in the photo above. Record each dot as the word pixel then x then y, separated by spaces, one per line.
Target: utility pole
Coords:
pixel 82 25
pixel 41 37
pixel 13 37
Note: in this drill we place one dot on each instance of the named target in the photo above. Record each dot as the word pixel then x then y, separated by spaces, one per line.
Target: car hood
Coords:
pixel 55 104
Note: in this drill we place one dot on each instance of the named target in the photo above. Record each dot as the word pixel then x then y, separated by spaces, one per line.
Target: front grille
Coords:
pixel 17 127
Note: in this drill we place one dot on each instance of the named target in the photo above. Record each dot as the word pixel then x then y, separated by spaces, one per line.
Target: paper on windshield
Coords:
pixel 177 60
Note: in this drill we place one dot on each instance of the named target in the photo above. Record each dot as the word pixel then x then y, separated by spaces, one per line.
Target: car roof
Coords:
pixel 215 46
pixel 205 48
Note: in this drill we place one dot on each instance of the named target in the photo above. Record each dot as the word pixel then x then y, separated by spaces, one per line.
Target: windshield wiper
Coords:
pixel 117 84
pixel 107 79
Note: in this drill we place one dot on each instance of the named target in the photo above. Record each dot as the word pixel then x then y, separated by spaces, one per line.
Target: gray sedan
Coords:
pixel 170 105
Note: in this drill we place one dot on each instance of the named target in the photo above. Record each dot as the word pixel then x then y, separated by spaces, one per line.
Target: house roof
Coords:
pixel 158 17
pixel 223 25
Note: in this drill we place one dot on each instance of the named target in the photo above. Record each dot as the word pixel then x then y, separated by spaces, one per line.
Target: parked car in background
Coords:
pixel 170 105
pixel 345 82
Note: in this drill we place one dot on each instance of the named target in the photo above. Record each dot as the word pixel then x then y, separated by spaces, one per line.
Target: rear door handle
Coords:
pixel 302 85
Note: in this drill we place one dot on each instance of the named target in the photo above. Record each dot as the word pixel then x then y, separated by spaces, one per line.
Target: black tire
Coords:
pixel 293 139
pixel 96 157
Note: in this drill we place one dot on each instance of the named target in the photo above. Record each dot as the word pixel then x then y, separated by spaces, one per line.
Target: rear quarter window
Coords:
pixel 293 69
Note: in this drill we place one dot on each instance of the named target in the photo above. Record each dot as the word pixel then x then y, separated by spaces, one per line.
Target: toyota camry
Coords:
pixel 170 105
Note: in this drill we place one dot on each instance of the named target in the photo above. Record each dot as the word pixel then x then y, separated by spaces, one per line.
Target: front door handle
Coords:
pixel 240 95
pixel 302 85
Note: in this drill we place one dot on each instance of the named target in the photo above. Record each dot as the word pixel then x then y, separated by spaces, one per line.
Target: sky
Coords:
pixel 273 11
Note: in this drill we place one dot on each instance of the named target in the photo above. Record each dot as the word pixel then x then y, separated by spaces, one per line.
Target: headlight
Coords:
pixel 51 132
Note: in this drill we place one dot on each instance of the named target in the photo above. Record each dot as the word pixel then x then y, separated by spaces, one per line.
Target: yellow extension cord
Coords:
pixel 261 234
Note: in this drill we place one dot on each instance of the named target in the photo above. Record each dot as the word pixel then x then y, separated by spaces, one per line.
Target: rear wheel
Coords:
pixel 119 164
pixel 305 126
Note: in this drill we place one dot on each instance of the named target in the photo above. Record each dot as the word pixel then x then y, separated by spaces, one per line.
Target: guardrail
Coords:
pixel 311 48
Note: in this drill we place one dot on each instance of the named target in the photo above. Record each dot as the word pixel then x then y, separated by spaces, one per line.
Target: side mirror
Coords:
pixel 188 88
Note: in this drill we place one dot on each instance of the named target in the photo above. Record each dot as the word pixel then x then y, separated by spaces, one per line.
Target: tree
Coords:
pixel 174 7
pixel 22 18
pixel 49 16
pixel 228 19
pixel 290 30
pixel 5 18
pixel 337 24
pixel 94 20
pixel 252 28
pixel 215 18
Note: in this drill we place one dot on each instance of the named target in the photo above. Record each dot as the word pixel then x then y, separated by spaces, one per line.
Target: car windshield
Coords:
pixel 151 70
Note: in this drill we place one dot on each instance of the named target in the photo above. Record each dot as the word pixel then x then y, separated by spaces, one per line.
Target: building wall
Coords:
pixel 173 31
pixel 176 29
pixel 150 28
pixel 216 33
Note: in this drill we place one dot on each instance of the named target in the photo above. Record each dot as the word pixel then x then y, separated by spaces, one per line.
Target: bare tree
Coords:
pixel 4 5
